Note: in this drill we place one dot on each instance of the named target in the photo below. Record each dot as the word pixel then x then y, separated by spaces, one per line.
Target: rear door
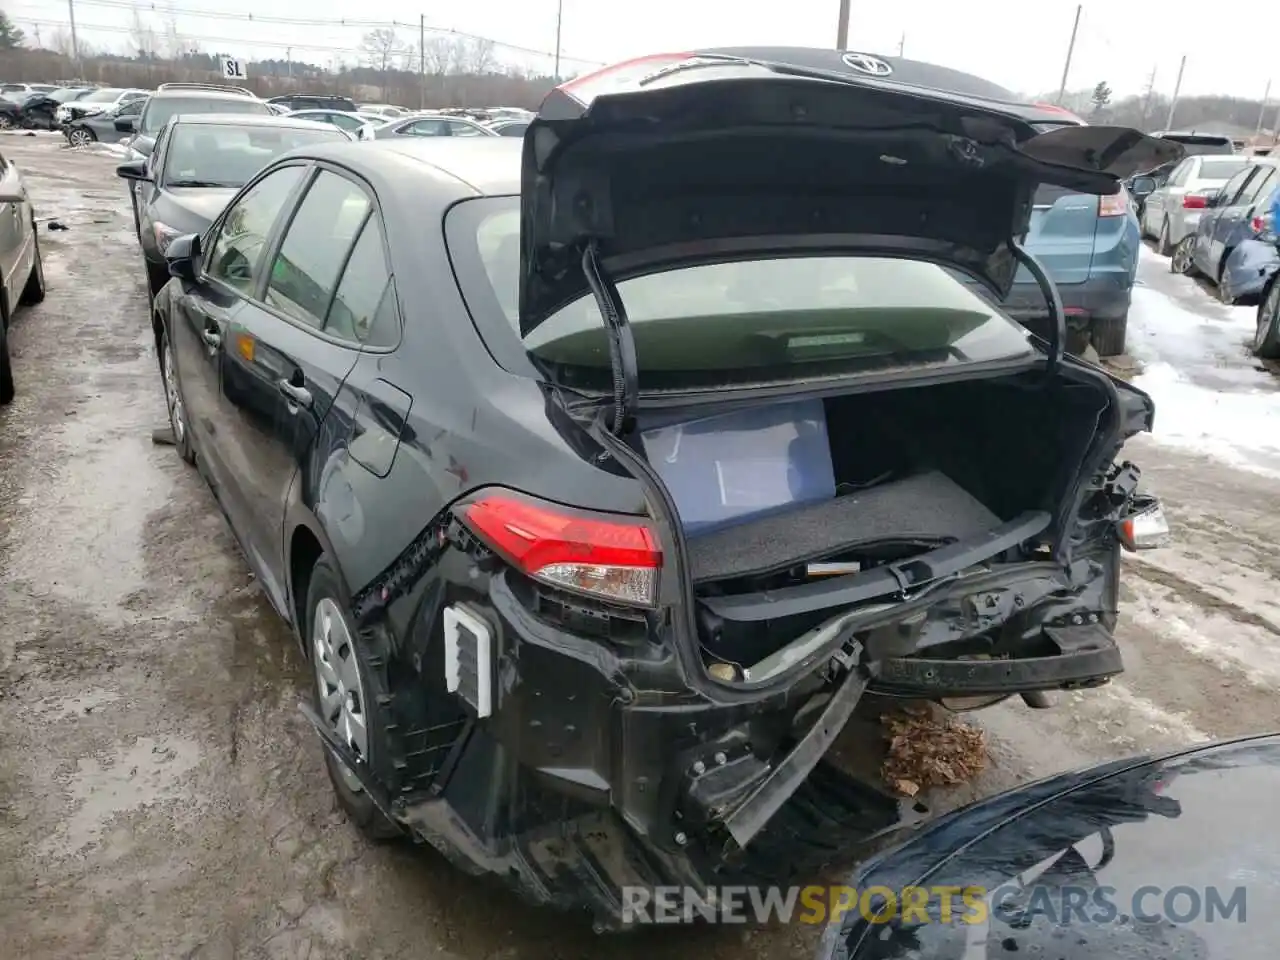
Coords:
pixel 286 365
pixel 1231 218
pixel 1203 253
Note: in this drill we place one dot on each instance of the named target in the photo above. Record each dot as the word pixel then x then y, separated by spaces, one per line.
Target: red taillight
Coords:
pixel 611 559
pixel 1258 224
pixel 1194 201
pixel 1115 205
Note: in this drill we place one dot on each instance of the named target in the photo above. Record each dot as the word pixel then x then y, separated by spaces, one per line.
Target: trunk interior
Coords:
pixel 860 481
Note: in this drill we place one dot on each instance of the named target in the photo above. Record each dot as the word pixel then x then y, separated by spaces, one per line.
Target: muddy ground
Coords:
pixel 160 796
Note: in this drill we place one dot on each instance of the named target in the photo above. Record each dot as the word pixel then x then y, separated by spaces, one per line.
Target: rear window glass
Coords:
pixel 160 109
pixel 1220 169
pixel 754 320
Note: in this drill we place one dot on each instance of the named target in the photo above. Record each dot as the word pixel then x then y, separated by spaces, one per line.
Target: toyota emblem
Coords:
pixel 865 63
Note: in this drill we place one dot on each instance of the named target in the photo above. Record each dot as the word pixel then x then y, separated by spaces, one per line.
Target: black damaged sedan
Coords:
pixel 602 473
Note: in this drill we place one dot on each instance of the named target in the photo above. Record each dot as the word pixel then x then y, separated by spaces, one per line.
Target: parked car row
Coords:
pixel 538 554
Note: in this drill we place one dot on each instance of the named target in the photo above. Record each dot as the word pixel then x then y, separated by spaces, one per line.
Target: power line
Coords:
pixel 343 23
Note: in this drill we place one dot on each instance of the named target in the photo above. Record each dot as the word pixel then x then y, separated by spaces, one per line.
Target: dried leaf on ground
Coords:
pixel 928 750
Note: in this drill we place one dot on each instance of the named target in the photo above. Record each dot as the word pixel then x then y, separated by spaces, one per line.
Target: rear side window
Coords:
pixel 305 271
pixel 1231 189
pixel 1254 188
pixel 236 255
pixel 1268 189
pixel 1214 169
pixel 427 128
pixel 364 307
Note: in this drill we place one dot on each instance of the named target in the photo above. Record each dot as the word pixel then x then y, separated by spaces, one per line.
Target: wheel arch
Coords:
pixel 305 543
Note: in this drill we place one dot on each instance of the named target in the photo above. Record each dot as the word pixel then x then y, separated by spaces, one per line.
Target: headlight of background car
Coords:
pixel 164 235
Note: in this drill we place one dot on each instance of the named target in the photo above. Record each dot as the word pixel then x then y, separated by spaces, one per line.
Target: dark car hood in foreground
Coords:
pixel 1201 824
pixel 684 158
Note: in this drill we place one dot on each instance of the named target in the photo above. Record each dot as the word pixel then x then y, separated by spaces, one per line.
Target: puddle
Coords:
pixel 136 778
pixel 93 507
pixel 67 708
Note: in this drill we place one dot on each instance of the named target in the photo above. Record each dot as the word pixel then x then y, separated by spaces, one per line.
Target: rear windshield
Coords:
pixel 223 155
pixel 1201 144
pixel 102 96
pixel 160 109
pixel 1220 169
pixel 744 321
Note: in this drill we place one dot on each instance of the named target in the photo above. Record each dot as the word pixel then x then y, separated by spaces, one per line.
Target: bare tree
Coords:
pixel 478 56
pixel 380 48
pixel 60 42
pixel 443 54
pixel 143 37
pixel 170 43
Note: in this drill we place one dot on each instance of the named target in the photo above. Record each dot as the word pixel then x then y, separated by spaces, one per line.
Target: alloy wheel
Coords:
pixel 1268 316
pixel 6 121
pixel 338 677
pixel 173 396
pixel 1181 262
pixel 80 138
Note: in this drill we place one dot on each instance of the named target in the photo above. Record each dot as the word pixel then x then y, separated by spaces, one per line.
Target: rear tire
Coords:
pixel 345 653
pixel 81 137
pixel 1266 342
pixel 1163 246
pixel 33 292
pixel 1109 334
pixel 7 390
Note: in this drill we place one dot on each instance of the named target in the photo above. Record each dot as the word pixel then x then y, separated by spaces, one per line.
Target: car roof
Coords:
pixel 274 121
pixel 403 168
pixel 203 93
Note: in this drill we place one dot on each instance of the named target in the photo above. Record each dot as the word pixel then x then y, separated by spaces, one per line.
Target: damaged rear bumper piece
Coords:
pixel 582 772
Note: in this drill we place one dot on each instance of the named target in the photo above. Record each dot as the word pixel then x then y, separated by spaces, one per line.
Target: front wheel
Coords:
pixel 173 400
pixel 6 121
pixel 1182 262
pixel 1266 341
pixel 34 290
pixel 81 137
pixel 346 690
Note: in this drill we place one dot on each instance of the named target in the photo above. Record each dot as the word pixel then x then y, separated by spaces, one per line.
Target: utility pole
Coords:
pixel 902 44
pixel 75 44
pixel 422 61
pixel 1071 48
pixel 842 26
pixel 1146 99
pixel 1262 113
pixel 1177 88
pixel 559 21
pixel 288 59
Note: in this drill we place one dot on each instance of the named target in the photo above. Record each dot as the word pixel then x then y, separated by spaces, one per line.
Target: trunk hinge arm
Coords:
pixel 622 347
pixel 1057 319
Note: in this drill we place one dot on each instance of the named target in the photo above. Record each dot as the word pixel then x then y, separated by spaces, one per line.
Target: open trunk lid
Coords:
pixel 695 158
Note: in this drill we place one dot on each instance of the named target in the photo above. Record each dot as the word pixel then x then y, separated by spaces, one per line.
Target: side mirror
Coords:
pixel 133 170
pixel 10 192
pixel 183 256
pixel 126 124
pixel 1142 186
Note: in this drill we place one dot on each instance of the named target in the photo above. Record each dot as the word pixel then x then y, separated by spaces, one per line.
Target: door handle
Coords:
pixel 211 339
pixel 299 396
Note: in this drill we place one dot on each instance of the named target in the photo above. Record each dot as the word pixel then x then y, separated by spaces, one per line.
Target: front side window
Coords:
pixel 762 319
pixel 223 155
pixel 305 272
pixel 237 252
pixel 459 129
pixel 427 128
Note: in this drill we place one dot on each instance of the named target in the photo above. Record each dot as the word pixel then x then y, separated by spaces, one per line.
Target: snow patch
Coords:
pixel 1211 395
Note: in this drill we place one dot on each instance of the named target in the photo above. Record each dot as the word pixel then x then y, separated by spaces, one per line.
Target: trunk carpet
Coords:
pixel 923 506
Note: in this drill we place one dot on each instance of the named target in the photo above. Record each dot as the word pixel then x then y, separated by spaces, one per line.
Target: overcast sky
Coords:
pixel 1018 44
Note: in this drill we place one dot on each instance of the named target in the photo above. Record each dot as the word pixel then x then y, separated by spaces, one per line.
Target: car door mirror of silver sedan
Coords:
pixel 11 190
pixel 133 170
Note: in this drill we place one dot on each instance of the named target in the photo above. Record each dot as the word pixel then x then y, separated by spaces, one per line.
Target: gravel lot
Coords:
pixel 160 796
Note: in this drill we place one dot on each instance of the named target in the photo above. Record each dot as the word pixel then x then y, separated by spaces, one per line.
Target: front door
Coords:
pixel 202 334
